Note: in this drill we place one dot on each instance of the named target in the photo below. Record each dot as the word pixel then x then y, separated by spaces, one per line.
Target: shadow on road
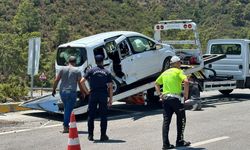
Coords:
pixel 46 115
pixel 82 132
pixel 222 99
pixel 110 141
pixel 136 112
pixel 119 111
pixel 191 148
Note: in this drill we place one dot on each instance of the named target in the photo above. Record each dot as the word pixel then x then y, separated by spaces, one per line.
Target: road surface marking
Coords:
pixel 45 124
pixel 209 141
pixel 24 130
pixel 203 142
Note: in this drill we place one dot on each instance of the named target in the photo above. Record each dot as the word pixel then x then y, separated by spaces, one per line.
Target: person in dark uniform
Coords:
pixel 172 101
pixel 101 88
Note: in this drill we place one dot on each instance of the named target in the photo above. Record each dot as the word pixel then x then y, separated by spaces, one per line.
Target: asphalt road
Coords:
pixel 222 124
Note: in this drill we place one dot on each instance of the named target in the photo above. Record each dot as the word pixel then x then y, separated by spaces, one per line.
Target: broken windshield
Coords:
pixel 64 53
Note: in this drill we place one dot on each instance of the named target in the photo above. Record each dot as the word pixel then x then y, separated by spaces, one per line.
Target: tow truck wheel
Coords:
pixel 225 92
pixel 116 86
pixel 166 64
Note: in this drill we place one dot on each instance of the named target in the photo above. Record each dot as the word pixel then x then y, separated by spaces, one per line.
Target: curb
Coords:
pixel 11 107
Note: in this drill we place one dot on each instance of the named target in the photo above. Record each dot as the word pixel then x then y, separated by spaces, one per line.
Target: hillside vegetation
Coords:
pixel 59 21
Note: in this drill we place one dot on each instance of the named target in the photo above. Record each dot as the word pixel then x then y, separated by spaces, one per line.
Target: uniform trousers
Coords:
pixel 100 100
pixel 173 105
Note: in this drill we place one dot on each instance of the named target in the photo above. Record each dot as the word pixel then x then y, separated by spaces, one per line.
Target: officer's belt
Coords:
pixel 165 96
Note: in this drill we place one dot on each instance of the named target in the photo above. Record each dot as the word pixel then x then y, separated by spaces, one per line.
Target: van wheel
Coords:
pixel 116 86
pixel 166 64
pixel 225 92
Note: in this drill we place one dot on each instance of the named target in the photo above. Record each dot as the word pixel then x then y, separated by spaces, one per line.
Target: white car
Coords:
pixel 129 56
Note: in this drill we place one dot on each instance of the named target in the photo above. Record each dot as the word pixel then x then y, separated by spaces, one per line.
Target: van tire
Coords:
pixel 166 64
pixel 225 92
pixel 116 86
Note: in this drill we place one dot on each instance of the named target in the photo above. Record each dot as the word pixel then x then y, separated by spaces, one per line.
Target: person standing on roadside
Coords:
pixel 70 76
pixel 101 88
pixel 172 102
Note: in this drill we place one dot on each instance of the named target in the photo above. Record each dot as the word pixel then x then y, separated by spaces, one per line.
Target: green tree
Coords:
pixel 27 18
pixel 61 31
pixel 237 14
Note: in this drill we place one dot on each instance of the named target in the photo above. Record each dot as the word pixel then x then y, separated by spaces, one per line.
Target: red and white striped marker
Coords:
pixel 73 142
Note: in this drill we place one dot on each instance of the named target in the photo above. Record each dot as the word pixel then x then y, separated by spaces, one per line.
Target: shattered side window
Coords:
pixel 110 47
pixel 63 54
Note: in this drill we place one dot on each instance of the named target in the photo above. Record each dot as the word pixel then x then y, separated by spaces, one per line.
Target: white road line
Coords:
pixel 45 124
pixel 24 130
pixel 203 142
pixel 209 141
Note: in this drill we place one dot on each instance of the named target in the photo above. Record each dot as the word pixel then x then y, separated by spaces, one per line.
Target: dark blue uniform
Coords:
pixel 98 78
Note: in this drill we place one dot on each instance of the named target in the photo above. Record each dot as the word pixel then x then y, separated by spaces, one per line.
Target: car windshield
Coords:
pixel 229 49
pixel 63 54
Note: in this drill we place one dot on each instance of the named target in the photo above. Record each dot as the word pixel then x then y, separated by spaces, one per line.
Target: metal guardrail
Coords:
pixel 42 88
pixel 39 91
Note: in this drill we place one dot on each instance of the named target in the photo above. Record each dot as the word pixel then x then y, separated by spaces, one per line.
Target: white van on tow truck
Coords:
pixel 129 56
pixel 133 59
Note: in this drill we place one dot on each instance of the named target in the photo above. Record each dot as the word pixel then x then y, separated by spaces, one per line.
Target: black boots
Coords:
pixel 182 143
pixel 91 137
pixel 104 138
pixel 170 146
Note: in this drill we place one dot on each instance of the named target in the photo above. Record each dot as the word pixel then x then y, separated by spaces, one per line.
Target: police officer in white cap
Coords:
pixel 172 80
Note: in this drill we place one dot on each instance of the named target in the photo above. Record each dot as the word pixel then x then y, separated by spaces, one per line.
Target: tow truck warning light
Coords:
pixel 173 26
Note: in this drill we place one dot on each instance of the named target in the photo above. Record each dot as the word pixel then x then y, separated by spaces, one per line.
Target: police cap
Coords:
pixel 98 58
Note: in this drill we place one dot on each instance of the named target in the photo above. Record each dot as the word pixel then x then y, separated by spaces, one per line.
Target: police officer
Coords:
pixel 172 80
pixel 101 88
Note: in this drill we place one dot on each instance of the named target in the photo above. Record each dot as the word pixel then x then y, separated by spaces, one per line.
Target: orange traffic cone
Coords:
pixel 73 142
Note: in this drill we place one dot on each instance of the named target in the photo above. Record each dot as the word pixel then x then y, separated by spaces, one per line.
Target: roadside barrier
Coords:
pixel 73 142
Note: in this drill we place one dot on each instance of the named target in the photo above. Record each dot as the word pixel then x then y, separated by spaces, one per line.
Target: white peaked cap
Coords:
pixel 175 59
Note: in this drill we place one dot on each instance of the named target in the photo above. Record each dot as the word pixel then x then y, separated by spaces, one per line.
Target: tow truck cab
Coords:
pixel 237 61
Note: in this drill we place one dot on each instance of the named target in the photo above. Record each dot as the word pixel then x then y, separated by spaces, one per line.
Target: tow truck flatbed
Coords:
pixel 54 104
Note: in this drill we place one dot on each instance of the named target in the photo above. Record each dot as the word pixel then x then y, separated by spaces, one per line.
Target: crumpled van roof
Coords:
pixel 99 38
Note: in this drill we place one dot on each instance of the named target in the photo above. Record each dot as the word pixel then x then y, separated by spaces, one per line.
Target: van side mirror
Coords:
pixel 158 46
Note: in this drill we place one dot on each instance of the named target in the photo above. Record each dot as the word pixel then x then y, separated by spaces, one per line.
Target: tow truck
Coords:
pixel 193 64
pixel 201 68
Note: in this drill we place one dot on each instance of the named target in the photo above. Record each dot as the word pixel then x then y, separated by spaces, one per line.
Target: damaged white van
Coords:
pixel 129 56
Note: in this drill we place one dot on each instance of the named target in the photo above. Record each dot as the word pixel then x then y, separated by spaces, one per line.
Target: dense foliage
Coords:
pixel 59 21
